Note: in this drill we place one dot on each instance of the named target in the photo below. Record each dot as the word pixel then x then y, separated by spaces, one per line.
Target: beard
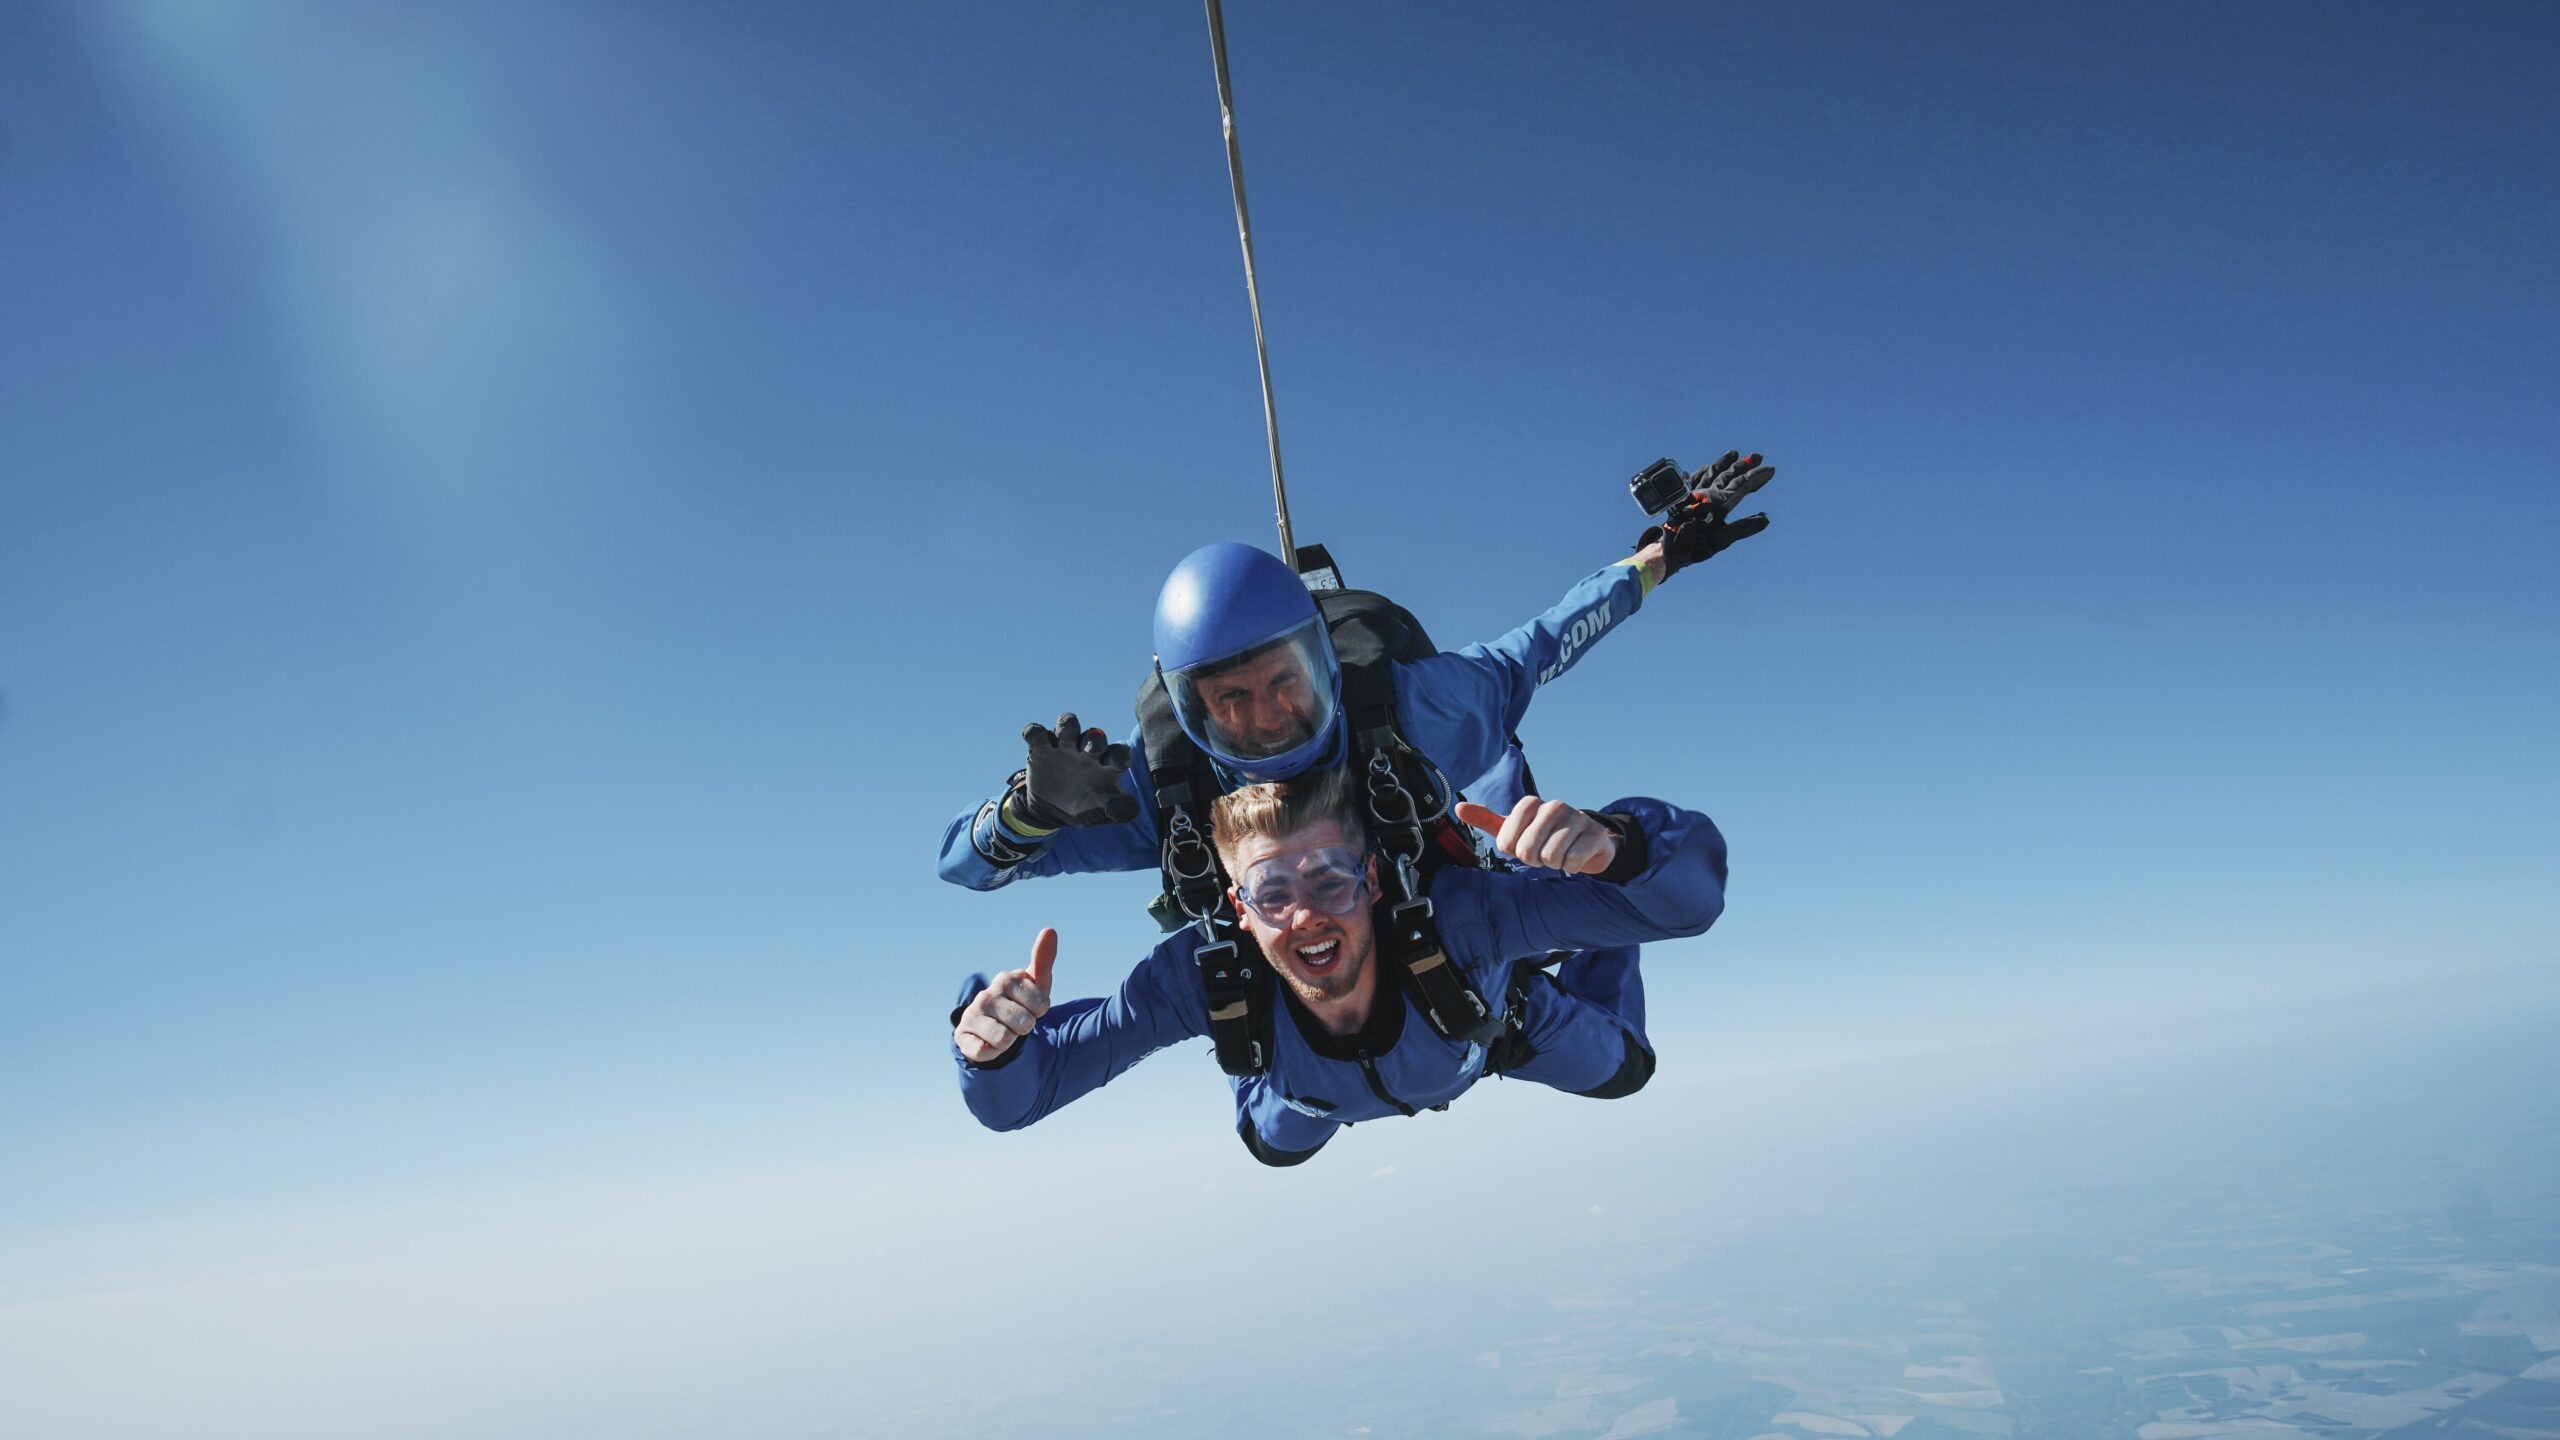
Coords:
pixel 1337 981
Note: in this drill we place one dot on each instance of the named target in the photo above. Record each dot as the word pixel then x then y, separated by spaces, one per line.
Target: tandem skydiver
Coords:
pixel 1355 1046
pixel 1251 673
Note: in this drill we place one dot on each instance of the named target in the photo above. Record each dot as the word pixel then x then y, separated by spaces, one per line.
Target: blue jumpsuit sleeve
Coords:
pixel 983 853
pixel 1083 1045
pixel 1509 915
pixel 1459 707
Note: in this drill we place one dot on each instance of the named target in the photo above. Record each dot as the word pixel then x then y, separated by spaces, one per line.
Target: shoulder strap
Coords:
pixel 1240 1001
pixel 1232 968
pixel 1409 945
pixel 1370 633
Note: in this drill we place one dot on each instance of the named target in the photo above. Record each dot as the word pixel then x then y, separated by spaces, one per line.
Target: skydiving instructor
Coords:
pixel 1252 676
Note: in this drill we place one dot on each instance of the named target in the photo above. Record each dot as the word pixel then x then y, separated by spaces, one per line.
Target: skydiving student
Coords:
pixel 1352 1047
pixel 1254 682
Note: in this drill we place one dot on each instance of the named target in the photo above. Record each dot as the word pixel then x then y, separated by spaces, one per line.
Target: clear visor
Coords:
pixel 1328 880
pixel 1266 702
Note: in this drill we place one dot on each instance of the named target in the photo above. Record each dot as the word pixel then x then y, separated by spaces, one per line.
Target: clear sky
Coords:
pixel 519 525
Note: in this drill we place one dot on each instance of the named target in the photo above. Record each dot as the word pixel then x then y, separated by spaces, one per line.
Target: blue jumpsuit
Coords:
pixel 1584 1031
pixel 1459 708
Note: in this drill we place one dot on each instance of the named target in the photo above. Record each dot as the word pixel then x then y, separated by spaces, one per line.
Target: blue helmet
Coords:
pixel 1248 662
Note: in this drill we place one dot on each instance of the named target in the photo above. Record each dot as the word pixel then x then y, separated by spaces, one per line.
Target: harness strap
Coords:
pixel 1235 976
pixel 1232 969
pixel 1409 942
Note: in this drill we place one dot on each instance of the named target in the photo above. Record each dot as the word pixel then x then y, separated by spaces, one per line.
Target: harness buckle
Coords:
pixel 1398 823
pixel 1193 867
pixel 1411 917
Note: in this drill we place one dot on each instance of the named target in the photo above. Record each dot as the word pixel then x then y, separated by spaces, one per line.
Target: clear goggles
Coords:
pixel 1263 703
pixel 1328 880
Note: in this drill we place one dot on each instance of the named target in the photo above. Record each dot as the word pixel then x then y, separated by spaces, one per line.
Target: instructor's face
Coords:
pixel 1323 957
pixel 1264 705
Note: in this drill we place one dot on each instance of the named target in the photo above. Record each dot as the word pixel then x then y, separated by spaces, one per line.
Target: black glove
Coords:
pixel 1073 778
pixel 1697 529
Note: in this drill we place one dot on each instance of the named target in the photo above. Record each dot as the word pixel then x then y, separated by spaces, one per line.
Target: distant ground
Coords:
pixel 2336 1220
pixel 2350 1230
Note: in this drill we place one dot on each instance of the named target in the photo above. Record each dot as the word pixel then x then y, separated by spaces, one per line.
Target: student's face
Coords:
pixel 1263 706
pixel 1323 957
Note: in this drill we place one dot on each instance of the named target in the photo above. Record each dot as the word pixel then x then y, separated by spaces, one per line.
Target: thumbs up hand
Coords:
pixel 1546 832
pixel 1011 1004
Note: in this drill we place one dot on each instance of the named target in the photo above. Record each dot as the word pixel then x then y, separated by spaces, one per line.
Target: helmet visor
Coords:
pixel 1266 702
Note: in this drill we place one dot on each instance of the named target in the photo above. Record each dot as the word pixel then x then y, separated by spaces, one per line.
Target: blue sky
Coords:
pixel 520 524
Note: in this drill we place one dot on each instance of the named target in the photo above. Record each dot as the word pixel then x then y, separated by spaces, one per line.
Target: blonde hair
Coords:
pixel 1283 808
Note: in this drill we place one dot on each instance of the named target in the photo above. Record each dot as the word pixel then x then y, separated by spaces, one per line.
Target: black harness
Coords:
pixel 1412 841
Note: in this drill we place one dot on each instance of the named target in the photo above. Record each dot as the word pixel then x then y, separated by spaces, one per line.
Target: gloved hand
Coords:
pixel 1698 529
pixel 1072 778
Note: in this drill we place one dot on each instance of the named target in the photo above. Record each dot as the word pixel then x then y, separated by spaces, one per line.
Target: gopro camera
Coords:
pixel 1659 486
